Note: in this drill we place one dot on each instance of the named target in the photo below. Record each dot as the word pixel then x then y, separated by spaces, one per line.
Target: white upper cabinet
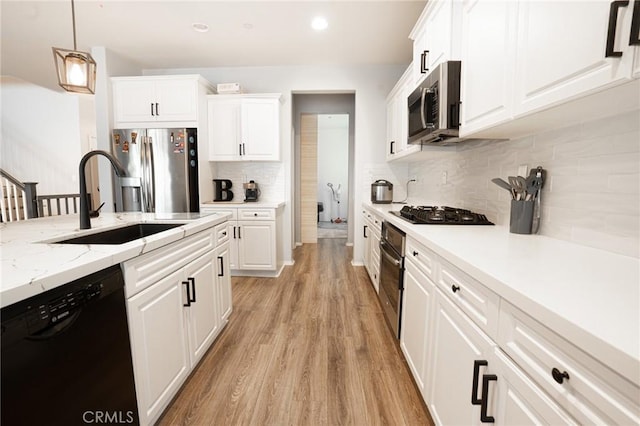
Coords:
pixel 488 46
pixel 142 101
pixel 561 51
pixel 244 127
pixel 521 59
pixel 397 120
pixel 435 36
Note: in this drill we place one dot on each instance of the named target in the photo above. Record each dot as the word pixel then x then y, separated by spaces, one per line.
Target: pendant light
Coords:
pixel 76 70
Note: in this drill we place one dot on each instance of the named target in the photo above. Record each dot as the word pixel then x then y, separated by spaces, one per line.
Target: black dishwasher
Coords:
pixel 66 356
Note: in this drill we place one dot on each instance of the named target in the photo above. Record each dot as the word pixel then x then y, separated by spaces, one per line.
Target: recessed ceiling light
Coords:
pixel 199 27
pixel 319 23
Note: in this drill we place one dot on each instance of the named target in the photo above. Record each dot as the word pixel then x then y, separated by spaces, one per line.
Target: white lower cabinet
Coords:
pixel 457 345
pixel 252 234
pixel 417 302
pixel 159 345
pixel 174 320
pixel 371 232
pixel 478 359
pixel 516 400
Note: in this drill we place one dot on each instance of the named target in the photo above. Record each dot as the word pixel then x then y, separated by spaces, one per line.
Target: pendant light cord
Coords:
pixel 73 20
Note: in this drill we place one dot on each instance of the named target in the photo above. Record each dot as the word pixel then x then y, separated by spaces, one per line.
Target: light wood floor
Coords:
pixel 308 348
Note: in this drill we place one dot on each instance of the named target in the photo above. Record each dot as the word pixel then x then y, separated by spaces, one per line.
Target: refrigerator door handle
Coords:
pixel 143 180
pixel 152 201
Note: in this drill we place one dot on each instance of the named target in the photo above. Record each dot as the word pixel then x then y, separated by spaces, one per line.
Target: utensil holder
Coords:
pixel 521 216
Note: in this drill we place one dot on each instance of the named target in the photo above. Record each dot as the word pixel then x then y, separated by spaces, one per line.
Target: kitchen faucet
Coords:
pixel 85 222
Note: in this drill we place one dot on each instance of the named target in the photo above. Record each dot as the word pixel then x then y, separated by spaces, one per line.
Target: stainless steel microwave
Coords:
pixel 434 107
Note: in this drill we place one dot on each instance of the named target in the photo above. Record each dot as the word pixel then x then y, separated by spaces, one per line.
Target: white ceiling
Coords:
pixel 158 34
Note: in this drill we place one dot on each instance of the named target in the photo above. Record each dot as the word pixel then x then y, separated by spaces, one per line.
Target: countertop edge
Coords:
pixel 97 256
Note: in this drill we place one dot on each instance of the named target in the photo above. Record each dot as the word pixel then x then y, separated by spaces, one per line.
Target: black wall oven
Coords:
pixel 391 274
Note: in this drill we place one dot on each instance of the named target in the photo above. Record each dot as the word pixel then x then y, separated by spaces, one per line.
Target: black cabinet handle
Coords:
pixel 239 235
pixel 476 376
pixel 152 114
pixel 221 274
pixel 193 287
pixel 484 418
pixel 391 147
pixel 157 110
pixel 244 151
pixel 423 62
pixel 634 36
pixel 224 233
pixel 239 149
pixel 234 232
pixel 364 231
pixel 559 376
pixel 415 253
pixel 455 288
pixel 611 31
pixel 188 294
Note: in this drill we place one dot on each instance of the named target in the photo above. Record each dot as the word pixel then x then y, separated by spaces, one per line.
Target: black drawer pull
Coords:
pixel 476 374
pixel 559 376
pixel 221 273
pixel 455 288
pixel 611 31
pixel 193 289
pixel 415 253
pixel 484 418
pixel 188 294
pixel 634 35
pixel 364 231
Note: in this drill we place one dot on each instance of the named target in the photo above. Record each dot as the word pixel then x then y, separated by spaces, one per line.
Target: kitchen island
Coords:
pixel 32 262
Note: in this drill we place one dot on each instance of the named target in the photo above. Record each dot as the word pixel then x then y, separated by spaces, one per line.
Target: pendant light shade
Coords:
pixel 76 70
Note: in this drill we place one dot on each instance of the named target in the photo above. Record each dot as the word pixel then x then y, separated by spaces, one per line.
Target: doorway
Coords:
pixel 323 210
pixel 333 175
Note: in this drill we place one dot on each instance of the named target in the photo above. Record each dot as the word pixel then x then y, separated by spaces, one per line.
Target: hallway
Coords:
pixel 308 348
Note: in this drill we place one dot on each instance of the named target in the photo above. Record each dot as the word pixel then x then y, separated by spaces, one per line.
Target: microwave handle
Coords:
pixel 424 95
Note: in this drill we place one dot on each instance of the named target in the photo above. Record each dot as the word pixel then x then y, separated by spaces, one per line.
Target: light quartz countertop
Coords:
pixel 263 204
pixel 32 262
pixel 591 297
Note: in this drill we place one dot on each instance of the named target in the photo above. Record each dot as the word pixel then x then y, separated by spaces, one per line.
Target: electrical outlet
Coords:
pixel 523 169
pixel 443 178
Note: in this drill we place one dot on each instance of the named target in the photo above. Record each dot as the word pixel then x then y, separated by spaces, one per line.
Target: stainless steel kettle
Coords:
pixel 381 192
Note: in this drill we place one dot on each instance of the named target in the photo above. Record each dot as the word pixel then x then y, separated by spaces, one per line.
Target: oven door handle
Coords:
pixel 390 258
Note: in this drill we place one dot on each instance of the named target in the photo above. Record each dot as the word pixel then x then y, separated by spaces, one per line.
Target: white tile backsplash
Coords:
pixel 268 175
pixel 592 193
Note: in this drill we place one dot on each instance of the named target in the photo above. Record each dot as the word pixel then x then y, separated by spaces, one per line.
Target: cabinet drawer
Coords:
pixel 477 301
pixel 221 233
pixel 421 257
pixel 591 393
pixel 256 214
pixel 142 271
pixel 214 209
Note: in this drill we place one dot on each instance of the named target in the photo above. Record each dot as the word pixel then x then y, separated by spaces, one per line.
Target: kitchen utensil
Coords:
pixel 503 184
pixel 539 176
pixel 522 187
pixel 517 185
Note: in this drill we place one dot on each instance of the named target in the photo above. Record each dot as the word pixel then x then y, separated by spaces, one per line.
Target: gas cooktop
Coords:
pixel 433 215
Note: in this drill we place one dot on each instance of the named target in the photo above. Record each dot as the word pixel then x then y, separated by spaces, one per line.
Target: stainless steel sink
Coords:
pixel 122 235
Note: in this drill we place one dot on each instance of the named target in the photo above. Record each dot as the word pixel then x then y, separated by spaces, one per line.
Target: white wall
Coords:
pixel 41 135
pixel 592 193
pixel 333 165
pixel 371 84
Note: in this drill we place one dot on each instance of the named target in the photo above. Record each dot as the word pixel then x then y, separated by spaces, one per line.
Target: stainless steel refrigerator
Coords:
pixel 162 170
